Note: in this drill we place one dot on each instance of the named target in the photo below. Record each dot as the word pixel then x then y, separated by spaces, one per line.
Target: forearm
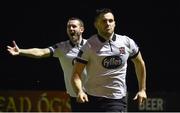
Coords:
pixel 77 83
pixel 141 75
pixel 76 77
pixel 34 52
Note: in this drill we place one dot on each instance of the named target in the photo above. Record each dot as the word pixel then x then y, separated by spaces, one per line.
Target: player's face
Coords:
pixel 74 30
pixel 105 24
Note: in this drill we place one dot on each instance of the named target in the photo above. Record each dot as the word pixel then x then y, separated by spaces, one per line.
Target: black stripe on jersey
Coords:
pixel 134 56
pixel 80 53
pixel 51 51
pixel 101 38
pixel 55 46
pixel 82 42
pixel 81 61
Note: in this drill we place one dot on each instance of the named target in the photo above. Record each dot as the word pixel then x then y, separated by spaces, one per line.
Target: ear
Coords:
pixel 82 29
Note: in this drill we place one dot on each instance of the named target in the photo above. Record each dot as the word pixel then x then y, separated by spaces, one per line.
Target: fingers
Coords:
pixel 79 100
pixel 9 47
pixel 86 98
pixel 14 43
pixel 141 100
pixel 82 99
pixel 135 97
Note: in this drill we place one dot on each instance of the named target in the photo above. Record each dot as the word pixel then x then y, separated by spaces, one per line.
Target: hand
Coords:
pixel 82 97
pixel 141 96
pixel 13 50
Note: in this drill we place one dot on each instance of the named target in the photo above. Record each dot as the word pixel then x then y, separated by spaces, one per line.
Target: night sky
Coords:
pixel 153 25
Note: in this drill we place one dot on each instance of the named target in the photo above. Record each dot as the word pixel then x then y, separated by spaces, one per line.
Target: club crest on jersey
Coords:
pixel 112 62
pixel 122 50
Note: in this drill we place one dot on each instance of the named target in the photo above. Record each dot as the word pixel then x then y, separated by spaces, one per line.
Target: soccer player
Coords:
pixel 105 57
pixel 66 51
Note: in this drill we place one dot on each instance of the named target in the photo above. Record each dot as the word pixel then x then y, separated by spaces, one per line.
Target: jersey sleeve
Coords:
pixel 55 50
pixel 134 49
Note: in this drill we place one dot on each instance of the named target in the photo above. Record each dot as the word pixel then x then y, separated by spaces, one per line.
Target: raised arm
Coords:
pixel 140 69
pixel 31 52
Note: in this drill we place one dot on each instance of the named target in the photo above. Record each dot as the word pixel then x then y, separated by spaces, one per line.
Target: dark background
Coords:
pixel 154 25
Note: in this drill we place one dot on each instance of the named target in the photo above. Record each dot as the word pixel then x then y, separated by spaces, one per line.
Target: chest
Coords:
pixel 110 55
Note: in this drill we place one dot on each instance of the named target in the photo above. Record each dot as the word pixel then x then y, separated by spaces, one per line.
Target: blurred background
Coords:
pixel 154 25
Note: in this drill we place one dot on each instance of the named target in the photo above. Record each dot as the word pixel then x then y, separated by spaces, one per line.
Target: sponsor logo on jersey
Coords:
pixel 112 62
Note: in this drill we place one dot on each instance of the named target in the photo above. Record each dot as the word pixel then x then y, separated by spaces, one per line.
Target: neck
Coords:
pixel 109 37
pixel 78 42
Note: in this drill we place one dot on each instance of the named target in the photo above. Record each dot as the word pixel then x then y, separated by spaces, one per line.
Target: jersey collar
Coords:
pixel 103 40
pixel 73 45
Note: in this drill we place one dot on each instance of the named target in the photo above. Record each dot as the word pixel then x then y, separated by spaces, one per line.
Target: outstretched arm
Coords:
pixel 77 83
pixel 32 52
pixel 140 69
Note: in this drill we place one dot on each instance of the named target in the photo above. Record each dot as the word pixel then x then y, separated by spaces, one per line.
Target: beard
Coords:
pixel 72 33
pixel 74 38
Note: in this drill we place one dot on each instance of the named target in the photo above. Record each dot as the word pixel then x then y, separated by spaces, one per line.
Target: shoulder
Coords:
pixel 124 38
pixel 62 44
pixel 92 39
pixel 89 42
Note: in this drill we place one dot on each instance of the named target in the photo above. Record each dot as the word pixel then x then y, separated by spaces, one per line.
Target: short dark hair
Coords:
pixel 102 11
pixel 76 18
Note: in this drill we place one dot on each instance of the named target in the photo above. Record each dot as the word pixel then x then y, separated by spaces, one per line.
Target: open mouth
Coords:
pixel 72 33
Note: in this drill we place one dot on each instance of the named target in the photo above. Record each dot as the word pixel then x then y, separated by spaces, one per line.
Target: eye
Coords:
pixel 72 26
pixel 111 20
pixel 108 21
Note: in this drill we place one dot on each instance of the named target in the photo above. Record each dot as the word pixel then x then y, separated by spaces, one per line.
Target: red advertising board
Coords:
pixel 34 101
